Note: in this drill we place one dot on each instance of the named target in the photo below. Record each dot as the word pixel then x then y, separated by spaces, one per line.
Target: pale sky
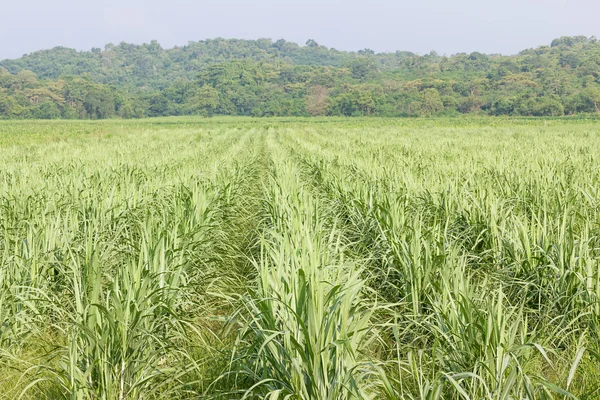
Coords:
pixel 446 26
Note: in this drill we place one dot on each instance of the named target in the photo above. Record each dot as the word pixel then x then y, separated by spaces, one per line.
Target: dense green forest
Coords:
pixel 279 78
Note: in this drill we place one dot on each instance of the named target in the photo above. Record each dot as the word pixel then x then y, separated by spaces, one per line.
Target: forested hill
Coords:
pixel 266 78
pixel 151 65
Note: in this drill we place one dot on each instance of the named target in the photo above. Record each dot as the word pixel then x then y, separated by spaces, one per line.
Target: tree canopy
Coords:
pixel 279 78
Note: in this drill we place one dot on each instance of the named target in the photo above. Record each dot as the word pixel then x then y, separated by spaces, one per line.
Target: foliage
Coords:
pixel 317 258
pixel 266 78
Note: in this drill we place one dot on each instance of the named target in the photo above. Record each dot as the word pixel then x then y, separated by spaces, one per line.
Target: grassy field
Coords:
pixel 300 259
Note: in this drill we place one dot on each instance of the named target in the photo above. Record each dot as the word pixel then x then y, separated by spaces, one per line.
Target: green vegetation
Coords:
pixel 266 78
pixel 303 259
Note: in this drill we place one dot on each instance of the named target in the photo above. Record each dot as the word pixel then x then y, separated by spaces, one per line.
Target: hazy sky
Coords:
pixel 446 26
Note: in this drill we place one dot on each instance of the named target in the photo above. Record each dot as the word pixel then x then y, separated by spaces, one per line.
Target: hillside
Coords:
pixel 264 78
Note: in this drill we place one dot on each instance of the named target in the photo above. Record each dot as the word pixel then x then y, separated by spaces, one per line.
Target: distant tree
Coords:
pixel 99 102
pixel 356 100
pixel 504 105
pixel 279 44
pixel 362 68
pixel 158 106
pixel 27 79
pixel 569 59
pixel 589 99
pixel 46 110
pixel 317 100
pixel 366 52
pixel 205 101
pixel 432 102
pixel 470 104
pixel 312 43
pixel 549 107
pixel 6 105
pixel 569 41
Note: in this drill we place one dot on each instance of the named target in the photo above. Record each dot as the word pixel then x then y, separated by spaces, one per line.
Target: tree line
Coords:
pixel 279 78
